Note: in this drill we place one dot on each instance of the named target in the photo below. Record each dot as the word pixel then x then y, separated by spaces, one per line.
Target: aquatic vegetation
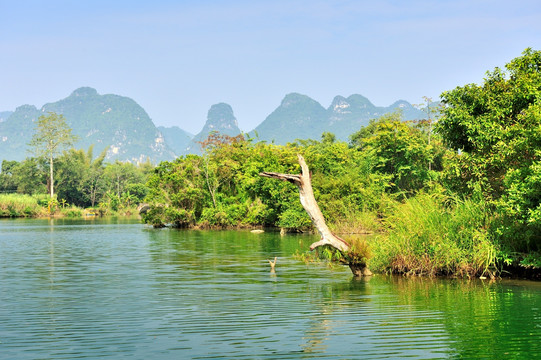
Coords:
pixel 432 234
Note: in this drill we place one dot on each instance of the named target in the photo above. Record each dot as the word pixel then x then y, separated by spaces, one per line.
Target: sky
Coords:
pixel 177 58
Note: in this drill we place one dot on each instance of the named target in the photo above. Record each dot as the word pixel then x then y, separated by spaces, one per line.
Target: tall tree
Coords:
pixel 51 137
pixel 497 128
pixel 397 148
pixel 80 177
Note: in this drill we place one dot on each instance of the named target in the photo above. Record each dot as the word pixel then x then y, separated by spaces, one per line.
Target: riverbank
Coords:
pixel 386 258
pixel 21 205
pixel 423 236
pixel 38 206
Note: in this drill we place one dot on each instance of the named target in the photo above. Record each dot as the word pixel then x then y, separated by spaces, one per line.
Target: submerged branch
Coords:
pixel 308 201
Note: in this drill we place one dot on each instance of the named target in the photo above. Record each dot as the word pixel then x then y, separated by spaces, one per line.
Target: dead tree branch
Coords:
pixel 308 201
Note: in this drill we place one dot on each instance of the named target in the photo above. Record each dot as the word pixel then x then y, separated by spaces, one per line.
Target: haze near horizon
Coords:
pixel 176 59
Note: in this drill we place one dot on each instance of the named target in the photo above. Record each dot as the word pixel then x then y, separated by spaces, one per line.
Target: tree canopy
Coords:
pixel 496 128
pixel 52 136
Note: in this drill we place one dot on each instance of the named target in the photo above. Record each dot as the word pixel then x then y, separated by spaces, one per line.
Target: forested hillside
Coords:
pixel 107 122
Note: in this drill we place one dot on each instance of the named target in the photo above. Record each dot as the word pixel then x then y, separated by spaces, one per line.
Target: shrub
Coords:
pixel 72 211
pixel 178 217
pixel 295 219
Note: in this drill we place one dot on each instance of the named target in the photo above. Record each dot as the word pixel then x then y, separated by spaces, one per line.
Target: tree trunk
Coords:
pixel 51 176
pixel 308 201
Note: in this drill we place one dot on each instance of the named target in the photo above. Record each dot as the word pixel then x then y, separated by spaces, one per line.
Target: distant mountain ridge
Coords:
pixel 123 127
pixel 297 117
pixel 177 139
pixel 220 118
pixel 300 117
pixel 4 115
pixel 106 121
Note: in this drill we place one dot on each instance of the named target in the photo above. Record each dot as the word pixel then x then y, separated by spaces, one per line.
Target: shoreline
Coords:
pixel 507 272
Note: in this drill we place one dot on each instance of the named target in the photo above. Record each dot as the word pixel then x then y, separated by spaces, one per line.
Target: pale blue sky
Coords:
pixel 177 58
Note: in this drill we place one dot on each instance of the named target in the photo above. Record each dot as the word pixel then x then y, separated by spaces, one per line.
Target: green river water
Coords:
pixel 97 289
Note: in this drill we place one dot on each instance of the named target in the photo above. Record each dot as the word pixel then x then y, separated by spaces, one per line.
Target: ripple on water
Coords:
pixel 123 290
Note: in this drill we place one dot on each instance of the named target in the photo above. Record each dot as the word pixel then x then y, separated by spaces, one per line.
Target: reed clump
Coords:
pixel 21 205
pixel 432 234
pixel 358 222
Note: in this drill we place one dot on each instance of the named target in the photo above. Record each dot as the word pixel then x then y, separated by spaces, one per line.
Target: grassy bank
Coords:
pixel 21 205
pixel 431 234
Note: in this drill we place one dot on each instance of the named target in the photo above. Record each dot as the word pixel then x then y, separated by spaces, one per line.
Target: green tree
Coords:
pixel 496 129
pixel 119 175
pixel 432 110
pixel 328 137
pixel 27 176
pixel 176 192
pixel 51 137
pixel 80 176
pixel 397 148
pixel 7 183
pixel 94 183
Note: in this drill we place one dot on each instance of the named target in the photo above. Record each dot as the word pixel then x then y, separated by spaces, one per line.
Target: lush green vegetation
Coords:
pixel 22 205
pixel 84 185
pixel 497 125
pixel 462 199
pixel 456 194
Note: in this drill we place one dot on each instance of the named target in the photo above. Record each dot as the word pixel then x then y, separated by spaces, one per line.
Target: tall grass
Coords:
pixel 71 211
pixel 431 234
pixel 20 205
pixel 355 222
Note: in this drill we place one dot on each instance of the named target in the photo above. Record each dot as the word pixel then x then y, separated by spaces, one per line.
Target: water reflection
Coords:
pixel 108 289
pixel 487 319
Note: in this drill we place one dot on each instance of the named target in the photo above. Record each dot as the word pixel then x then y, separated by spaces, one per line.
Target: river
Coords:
pixel 96 289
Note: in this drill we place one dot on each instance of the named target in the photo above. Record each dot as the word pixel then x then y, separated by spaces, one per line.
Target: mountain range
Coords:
pixel 123 127
pixel 300 117
pixel 220 119
pixel 111 122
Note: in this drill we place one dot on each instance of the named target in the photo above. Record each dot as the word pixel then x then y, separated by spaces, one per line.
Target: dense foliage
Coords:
pixel 222 188
pixel 496 127
pixel 458 193
pixel 80 180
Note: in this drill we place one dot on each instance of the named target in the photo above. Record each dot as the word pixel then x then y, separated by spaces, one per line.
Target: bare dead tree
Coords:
pixel 308 201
